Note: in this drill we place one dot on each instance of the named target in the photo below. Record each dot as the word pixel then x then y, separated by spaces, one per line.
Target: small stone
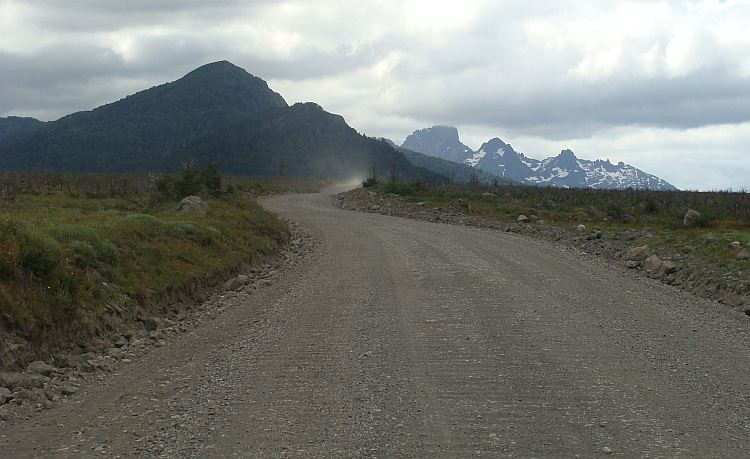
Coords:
pixel 581 228
pixel 522 219
pixel 743 255
pixel 735 245
pixel 607 450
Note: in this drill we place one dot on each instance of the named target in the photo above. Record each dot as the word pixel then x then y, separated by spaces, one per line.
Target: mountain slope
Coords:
pixel 135 133
pixel 458 172
pixel 307 140
pixel 564 170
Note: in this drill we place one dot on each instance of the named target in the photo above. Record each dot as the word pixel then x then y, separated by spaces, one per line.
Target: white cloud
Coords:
pixel 561 72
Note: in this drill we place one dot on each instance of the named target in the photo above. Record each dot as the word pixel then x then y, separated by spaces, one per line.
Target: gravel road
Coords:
pixel 400 338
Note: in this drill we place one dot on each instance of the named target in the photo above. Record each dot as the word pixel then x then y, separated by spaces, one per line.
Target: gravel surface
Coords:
pixel 400 338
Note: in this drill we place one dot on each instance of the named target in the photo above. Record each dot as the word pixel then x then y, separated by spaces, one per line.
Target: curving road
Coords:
pixel 409 339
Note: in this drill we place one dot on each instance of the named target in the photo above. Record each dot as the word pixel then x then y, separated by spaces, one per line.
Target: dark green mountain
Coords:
pixel 138 132
pixel 457 172
pixel 304 141
pixel 13 125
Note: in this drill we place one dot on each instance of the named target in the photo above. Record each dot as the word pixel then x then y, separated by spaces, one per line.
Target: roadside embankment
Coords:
pixel 685 260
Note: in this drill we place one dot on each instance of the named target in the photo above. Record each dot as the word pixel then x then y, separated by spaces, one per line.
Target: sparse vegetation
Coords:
pixel 620 208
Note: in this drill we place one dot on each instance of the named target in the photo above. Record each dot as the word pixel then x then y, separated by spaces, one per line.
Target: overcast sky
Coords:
pixel 661 85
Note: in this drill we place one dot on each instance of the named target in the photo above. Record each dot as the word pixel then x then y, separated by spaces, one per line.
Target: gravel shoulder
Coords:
pixel 401 338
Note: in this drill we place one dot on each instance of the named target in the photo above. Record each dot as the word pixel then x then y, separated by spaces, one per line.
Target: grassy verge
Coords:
pixel 71 260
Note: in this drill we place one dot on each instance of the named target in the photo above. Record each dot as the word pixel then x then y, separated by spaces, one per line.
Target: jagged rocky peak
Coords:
pixel 494 145
pixel 565 160
pixel 440 141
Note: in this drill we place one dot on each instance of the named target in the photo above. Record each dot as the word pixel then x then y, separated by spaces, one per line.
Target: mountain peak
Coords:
pixel 440 141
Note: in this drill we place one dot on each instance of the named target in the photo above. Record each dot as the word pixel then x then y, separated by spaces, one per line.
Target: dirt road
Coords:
pixel 409 339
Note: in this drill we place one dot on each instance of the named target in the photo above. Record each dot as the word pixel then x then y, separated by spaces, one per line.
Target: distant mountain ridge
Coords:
pixel 13 125
pixel 564 170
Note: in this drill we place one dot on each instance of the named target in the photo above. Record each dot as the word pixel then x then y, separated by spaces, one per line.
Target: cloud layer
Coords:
pixel 629 80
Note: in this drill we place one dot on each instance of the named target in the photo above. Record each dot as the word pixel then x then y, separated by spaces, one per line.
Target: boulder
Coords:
pixel 40 368
pixel 628 236
pixel 596 212
pixel 235 283
pixel 192 205
pixel 743 255
pixel 152 323
pixel 461 203
pixel 735 245
pixel 638 254
pixel 689 219
pixel 652 263
pixel 21 380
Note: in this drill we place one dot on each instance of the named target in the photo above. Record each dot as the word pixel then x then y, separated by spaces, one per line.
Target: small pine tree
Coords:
pixel 211 177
